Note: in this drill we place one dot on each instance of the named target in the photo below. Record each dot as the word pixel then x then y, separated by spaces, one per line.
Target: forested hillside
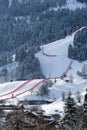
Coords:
pixel 79 49
pixel 27 24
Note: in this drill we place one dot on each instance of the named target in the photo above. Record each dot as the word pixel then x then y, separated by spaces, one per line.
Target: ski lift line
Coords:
pixel 23 84
pixel 47 54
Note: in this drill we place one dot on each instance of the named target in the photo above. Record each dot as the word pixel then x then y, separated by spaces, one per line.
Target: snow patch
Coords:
pixel 54 108
pixel 71 5
pixel 13 57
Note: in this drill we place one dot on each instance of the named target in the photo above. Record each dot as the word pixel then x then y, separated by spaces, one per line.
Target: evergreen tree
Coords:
pixel 43 90
pixel 85 112
pixel 70 51
pixel 70 110
pixel 78 97
pixel 79 46
pixel 84 70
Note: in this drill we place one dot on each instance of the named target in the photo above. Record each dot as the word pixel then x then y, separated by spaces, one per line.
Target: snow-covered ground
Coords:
pixel 9 69
pixel 70 4
pixel 73 5
pixel 79 85
pixel 55 66
pixel 52 67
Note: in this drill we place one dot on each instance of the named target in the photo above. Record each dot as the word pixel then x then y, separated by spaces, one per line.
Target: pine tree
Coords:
pixel 70 51
pixel 85 112
pixel 78 97
pixel 70 110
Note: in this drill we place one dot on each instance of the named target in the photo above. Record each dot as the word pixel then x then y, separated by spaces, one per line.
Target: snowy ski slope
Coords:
pixel 52 67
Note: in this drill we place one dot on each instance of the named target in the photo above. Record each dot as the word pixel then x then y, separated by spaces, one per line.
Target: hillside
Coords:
pixel 64 76
pixel 21 90
pixel 43 64
pixel 27 24
pixel 55 66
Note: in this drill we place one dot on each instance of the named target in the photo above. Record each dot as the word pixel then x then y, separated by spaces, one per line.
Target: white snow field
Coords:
pixel 55 66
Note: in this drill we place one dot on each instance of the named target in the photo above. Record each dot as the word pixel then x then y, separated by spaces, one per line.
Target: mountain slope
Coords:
pixel 58 67
pixel 55 66
pixel 27 24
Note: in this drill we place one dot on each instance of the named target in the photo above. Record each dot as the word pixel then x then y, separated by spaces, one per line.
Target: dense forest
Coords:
pixel 27 24
pixel 79 49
